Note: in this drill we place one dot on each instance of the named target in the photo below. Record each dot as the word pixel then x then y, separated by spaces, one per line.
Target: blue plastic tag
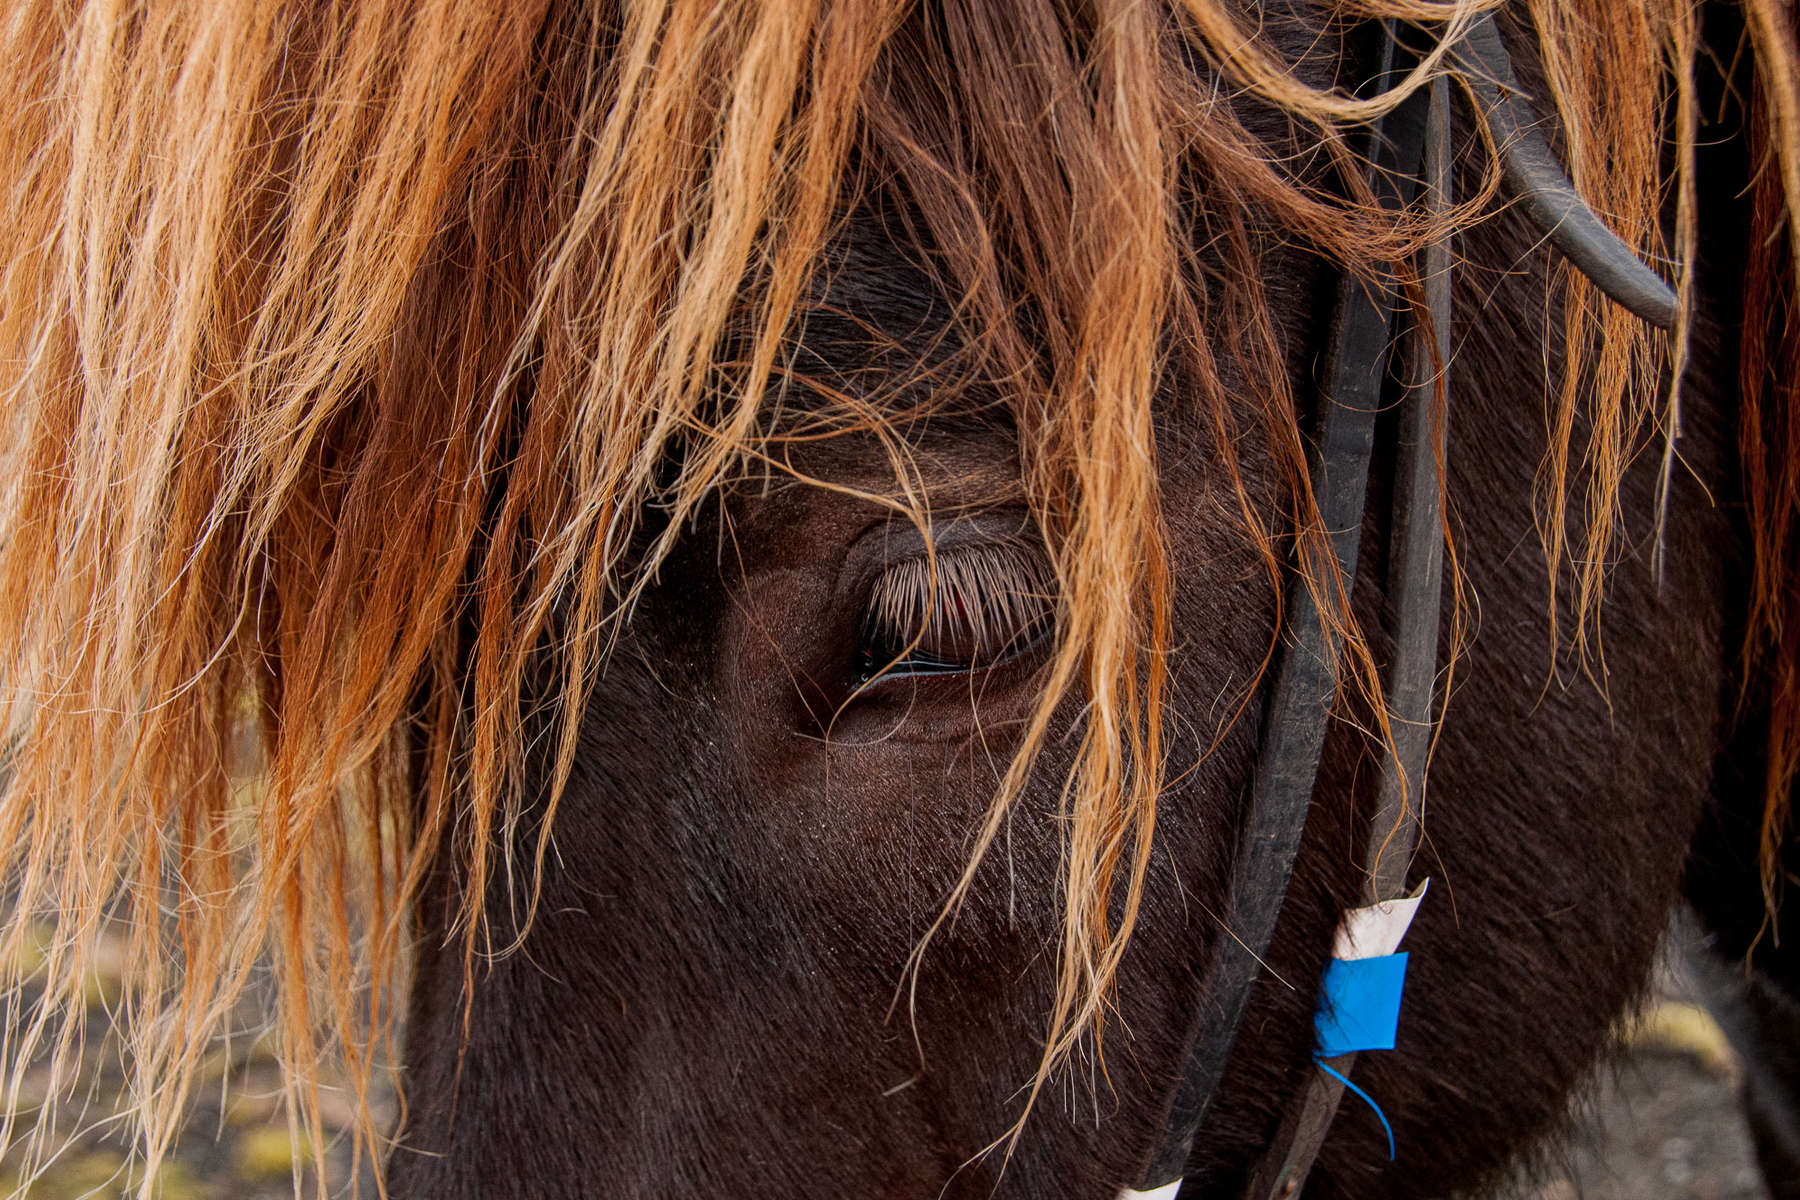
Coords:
pixel 1359 1004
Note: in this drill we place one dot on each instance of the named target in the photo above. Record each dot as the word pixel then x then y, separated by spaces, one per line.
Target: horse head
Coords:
pixel 724 582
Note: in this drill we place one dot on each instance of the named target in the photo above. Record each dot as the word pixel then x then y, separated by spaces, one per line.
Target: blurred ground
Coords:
pixel 1663 1129
pixel 235 1144
pixel 1662 1122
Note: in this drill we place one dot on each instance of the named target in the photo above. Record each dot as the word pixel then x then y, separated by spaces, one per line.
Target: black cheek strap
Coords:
pixel 1409 153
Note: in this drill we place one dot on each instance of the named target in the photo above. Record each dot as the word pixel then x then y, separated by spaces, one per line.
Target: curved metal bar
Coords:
pixel 1533 175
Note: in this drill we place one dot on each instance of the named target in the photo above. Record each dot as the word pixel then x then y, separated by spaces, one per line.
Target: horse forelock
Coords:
pixel 362 363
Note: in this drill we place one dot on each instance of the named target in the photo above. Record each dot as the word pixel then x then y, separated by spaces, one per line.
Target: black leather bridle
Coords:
pixel 1408 151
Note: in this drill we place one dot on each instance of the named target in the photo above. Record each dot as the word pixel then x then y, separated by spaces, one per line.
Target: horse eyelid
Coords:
pixel 987 605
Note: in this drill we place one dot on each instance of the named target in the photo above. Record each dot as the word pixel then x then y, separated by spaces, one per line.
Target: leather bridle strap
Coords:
pixel 1416 545
pixel 1304 675
pixel 1415 592
pixel 1410 140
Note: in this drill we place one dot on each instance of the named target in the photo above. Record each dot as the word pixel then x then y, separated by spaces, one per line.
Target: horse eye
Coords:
pixel 968 609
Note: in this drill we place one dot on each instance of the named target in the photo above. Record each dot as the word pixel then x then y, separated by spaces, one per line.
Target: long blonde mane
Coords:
pixel 343 349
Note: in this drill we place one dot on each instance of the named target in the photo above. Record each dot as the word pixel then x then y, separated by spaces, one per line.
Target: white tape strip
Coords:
pixel 1165 1192
pixel 1375 931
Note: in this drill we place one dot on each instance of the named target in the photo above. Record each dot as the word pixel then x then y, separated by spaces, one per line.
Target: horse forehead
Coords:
pixel 871 273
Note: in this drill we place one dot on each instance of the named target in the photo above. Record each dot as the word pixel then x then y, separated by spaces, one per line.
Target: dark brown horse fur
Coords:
pixel 706 1004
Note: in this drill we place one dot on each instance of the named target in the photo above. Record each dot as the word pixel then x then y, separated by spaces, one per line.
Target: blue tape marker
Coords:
pixel 1366 1099
pixel 1359 1004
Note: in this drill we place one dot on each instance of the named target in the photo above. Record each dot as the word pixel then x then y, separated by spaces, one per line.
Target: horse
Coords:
pixel 708 579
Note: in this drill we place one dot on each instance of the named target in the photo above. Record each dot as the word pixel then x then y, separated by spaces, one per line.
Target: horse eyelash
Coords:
pixel 1000 595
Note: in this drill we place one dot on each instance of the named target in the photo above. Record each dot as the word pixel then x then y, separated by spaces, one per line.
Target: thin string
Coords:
pixel 1366 1099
